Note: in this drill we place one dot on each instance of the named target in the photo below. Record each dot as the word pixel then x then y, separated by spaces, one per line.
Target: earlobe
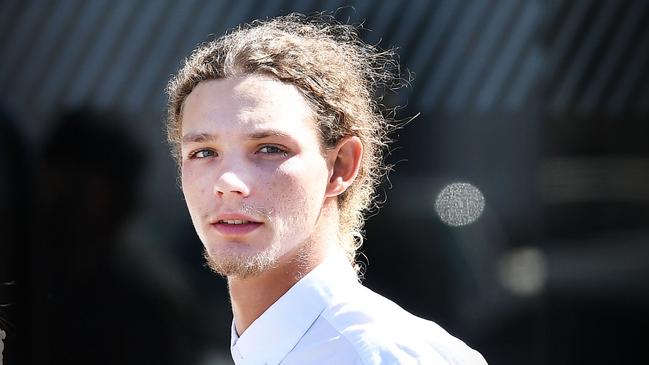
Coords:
pixel 346 160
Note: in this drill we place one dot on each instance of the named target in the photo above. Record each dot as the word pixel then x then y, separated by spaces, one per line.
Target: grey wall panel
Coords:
pixel 466 55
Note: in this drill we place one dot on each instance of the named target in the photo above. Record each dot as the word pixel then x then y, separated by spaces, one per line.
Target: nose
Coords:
pixel 230 183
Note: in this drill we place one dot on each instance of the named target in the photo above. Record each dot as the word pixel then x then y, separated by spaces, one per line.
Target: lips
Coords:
pixel 235 224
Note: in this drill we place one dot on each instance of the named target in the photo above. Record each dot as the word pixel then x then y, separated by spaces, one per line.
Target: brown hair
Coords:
pixel 338 74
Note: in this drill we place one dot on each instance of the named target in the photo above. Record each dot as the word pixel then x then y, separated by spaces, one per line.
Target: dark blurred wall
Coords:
pixel 541 105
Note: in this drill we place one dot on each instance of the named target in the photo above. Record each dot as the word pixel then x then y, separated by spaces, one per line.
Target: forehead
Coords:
pixel 250 101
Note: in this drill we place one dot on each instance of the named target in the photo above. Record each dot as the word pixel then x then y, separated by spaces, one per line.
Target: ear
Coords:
pixel 344 162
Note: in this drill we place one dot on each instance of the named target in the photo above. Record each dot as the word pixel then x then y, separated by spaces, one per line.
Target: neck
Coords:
pixel 252 296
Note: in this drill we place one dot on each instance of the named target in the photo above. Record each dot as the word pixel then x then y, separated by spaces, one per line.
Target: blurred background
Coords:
pixel 517 215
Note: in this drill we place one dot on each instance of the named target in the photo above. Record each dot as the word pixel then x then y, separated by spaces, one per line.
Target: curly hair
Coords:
pixel 341 77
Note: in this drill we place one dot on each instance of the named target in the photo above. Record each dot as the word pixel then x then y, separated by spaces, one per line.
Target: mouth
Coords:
pixel 234 221
pixel 235 226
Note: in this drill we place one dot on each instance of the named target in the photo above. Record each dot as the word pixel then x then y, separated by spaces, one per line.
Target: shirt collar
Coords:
pixel 276 332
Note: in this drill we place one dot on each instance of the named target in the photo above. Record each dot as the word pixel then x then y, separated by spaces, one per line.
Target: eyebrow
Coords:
pixel 208 137
pixel 268 133
pixel 198 137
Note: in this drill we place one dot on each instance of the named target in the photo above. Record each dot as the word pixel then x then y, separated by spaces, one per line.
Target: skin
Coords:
pixel 251 152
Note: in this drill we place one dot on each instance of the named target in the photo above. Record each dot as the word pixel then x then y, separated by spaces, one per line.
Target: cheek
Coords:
pixel 298 193
pixel 194 189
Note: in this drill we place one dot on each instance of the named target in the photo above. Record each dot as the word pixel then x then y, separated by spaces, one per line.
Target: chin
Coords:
pixel 241 263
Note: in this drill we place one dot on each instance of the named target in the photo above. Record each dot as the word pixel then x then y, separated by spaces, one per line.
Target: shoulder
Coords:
pixel 381 332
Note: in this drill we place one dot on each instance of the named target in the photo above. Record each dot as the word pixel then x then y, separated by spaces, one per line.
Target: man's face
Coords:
pixel 253 174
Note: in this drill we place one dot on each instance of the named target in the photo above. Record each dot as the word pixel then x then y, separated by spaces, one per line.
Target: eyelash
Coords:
pixel 276 150
pixel 194 154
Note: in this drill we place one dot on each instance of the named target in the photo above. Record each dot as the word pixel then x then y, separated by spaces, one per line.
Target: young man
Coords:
pixel 279 143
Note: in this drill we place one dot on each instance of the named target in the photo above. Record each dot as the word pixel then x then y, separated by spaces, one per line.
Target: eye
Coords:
pixel 202 154
pixel 272 150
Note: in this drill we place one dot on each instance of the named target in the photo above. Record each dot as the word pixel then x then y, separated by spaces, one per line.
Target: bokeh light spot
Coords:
pixel 459 204
pixel 523 271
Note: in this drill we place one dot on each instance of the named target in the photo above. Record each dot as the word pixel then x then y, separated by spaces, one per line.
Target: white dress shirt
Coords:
pixel 328 317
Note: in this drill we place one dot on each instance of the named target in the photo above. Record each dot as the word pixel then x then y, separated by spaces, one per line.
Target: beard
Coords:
pixel 246 265
pixel 241 265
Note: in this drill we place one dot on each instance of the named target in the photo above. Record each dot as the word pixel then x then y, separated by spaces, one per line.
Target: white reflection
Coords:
pixel 459 204
pixel 2 344
pixel 523 271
